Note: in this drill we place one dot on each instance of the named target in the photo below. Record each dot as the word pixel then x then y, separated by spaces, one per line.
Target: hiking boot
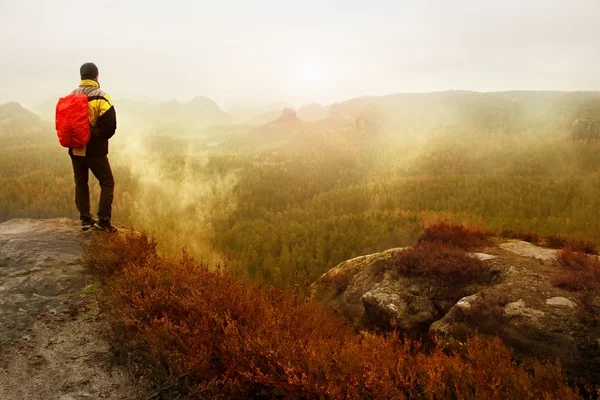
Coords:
pixel 105 226
pixel 87 223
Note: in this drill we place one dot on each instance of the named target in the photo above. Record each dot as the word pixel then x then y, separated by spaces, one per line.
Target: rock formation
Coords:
pixel 288 116
pixel 52 343
pixel 518 303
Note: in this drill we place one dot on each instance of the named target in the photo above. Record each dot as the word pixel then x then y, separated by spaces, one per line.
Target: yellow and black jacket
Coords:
pixel 103 119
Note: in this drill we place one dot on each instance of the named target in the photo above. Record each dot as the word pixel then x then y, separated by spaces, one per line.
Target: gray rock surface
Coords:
pixel 561 301
pixel 529 250
pixel 531 316
pixel 344 286
pixel 65 356
pixel 372 295
pixel 52 341
pixel 38 268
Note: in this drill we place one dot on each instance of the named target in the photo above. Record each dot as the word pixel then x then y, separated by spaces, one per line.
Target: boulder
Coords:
pixel 518 303
pixel 532 317
pixel 373 296
pixel 344 286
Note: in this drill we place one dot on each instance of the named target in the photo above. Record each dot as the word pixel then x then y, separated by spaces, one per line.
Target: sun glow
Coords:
pixel 310 73
pixel 314 78
pixel 308 76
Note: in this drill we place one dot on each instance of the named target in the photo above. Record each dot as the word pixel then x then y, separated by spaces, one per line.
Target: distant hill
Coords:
pixel 501 113
pixel 200 112
pixel 47 108
pixel 287 117
pixel 460 112
pixel 313 112
pixel 258 115
pixel 266 118
pixel 371 121
pixel 310 112
pixel 126 105
pixel 19 125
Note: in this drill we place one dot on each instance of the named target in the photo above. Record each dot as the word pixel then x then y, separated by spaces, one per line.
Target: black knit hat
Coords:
pixel 88 71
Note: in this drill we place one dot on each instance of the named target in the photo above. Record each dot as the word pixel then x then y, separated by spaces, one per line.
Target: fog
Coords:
pixel 243 54
pixel 233 173
pixel 175 191
pixel 403 158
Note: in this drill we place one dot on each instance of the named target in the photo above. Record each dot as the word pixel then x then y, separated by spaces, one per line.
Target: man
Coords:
pixel 94 156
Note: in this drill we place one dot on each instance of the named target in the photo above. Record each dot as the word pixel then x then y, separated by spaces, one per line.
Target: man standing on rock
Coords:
pixel 94 156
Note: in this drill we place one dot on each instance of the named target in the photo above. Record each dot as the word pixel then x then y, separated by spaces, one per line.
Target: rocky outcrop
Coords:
pixel 52 344
pixel 344 286
pixel 287 117
pixel 518 303
pixel 39 268
pixel 372 295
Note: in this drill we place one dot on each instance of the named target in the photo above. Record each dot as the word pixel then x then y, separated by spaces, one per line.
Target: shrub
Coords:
pixel 199 333
pixel 452 264
pixel 461 236
pixel 580 272
pixel 109 254
pixel 556 241
pixel 530 237
pixel 581 245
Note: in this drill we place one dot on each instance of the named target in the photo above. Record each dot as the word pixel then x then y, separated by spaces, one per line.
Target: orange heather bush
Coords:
pixel 198 333
pixel 524 236
pixel 583 245
pixel 440 260
pixel 107 256
pixel 580 272
pixel 559 242
pixel 556 241
pixel 461 236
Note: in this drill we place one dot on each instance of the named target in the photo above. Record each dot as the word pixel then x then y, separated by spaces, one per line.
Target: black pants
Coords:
pixel 100 167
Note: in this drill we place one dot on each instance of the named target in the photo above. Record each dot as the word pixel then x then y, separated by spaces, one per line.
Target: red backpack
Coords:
pixel 72 121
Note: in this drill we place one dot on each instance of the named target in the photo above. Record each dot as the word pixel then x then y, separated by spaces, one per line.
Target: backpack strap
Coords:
pixel 91 98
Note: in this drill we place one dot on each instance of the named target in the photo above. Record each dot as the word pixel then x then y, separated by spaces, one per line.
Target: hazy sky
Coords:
pixel 256 52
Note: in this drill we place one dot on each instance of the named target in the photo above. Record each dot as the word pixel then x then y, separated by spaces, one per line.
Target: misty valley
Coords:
pixel 321 200
pixel 445 228
pixel 308 190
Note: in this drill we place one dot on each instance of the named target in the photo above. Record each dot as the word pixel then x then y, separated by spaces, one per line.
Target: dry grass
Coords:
pixel 198 333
